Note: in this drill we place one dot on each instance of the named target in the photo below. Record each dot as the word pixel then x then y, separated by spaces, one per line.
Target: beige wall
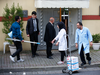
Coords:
pixel 93 25
pixel 1 37
pixel 26 5
pixel 93 8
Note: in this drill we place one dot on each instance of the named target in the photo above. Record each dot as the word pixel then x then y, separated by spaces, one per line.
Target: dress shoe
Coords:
pixel 89 62
pixel 82 64
pixel 50 57
pixel 37 54
pixel 33 56
pixel 51 54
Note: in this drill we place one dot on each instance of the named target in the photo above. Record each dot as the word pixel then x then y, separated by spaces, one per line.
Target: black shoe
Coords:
pixel 33 56
pixel 82 64
pixel 37 54
pixel 50 57
pixel 89 62
pixel 51 54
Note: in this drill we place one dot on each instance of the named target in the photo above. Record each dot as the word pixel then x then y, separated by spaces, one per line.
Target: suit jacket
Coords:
pixel 30 26
pixel 49 32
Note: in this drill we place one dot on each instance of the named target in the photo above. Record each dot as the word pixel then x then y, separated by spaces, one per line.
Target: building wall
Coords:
pixel 87 13
pixel 91 18
pixel 26 5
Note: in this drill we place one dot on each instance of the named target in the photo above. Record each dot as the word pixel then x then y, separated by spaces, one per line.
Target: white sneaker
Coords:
pixel 60 62
pixel 21 60
pixel 12 59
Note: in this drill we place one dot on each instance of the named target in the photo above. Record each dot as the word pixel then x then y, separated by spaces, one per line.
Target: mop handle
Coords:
pixel 24 41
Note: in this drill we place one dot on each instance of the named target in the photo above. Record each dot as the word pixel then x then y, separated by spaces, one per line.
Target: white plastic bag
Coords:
pixel 11 35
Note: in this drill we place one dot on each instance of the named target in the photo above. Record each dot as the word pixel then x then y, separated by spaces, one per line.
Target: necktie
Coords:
pixel 34 23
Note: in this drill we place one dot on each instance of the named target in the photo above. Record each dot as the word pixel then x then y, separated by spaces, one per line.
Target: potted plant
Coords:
pixel 9 18
pixel 96 39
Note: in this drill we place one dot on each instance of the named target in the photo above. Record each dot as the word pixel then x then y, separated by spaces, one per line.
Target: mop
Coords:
pixel 24 40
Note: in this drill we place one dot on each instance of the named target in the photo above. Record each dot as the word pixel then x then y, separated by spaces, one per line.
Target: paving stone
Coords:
pixel 41 60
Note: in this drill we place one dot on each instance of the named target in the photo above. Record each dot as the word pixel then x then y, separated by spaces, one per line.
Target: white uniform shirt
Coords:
pixel 61 37
pixel 83 38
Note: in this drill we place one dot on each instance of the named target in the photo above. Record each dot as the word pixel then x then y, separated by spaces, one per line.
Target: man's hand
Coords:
pixel 14 38
pixel 76 45
pixel 50 41
pixel 28 35
pixel 22 41
pixel 91 43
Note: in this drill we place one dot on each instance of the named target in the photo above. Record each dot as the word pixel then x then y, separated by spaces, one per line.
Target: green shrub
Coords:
pixel 96 38
pixel 9 18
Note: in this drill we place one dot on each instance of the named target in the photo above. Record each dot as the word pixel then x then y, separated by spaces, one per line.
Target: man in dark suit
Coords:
pixel 32 31
pixel 49 36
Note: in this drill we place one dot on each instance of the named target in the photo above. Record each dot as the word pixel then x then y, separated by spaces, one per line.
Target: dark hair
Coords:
pixel 80 23
pixel 16 18
pixel 61 25
pixel 34 13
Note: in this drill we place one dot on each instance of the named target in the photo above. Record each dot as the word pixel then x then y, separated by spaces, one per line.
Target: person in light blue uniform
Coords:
pixel 82 38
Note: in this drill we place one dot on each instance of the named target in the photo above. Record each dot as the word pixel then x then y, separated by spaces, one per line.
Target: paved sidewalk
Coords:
pixel 40 61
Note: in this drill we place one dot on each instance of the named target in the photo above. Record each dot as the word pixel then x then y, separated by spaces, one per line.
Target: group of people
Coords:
pixel 32 31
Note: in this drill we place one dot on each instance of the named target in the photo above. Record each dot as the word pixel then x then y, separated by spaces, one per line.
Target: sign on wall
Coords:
pixel 25 13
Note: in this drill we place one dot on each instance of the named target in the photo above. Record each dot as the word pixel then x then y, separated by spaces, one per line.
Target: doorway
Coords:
pixel 69 16
pixel 43 14
pixel 64 17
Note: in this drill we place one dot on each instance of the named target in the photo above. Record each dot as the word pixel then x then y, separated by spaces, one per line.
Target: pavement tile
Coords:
pixel 41 60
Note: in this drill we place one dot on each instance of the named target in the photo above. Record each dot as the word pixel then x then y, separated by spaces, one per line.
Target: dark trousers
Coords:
pixel 62 55
pixel 83 57
pixel 19 49
pixel 34 38
pixel 48 50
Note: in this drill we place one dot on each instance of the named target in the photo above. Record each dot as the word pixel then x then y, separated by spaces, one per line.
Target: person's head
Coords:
pixel 61 25
pixel 79 25
pixel 17 18
pixel 33 14
pixel 51 20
